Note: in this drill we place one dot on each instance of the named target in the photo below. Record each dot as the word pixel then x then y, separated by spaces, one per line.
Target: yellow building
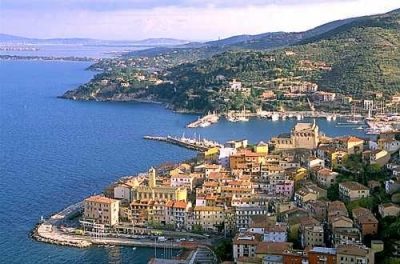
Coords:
pixel 246 160
pixel 102 210
pixel 261 148
pixel 155 192
pixel 212 154
pixel 209 217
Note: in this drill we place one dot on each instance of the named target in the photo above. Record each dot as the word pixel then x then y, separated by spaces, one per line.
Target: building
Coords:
pixel 302 136
pixel 209 218
pixel 186 180
pixel 244 246
pixel 349 254
pixel 326 177
pixel 319 255
pixel 346 236
pixel 243 213
pixel 365 221
pixel 324 96
pixel 389 209
pixel 102 210
pixel 312 235
pixel 275 232
pixel 351 190
pixel 272 248
pixel 153 191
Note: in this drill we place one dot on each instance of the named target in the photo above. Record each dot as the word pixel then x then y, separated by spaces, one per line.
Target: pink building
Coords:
pixel 285 188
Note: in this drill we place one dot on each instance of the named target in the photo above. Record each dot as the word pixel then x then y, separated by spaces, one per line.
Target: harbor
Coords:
pixel 197 144
pixel 205 121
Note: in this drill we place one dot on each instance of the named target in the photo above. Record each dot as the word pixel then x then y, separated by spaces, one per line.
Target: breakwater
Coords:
pixel 198 145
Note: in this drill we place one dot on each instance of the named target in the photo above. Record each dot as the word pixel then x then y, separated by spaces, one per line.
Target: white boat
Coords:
pixel 275 117
pixel 205 124
pixel 231 119
pixel 299 117
pixel 359 128
pixel 334 117
pixel 329 118
pixel 242 119
pixel 134 248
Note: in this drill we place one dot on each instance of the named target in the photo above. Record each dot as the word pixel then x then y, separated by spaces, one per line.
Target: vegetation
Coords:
pixel 358 56
pixel 224 250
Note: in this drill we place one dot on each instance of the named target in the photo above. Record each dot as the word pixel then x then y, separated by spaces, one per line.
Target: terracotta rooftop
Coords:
pixel 100 199
pixel 277 248
pixel 352 250
pixel 354 186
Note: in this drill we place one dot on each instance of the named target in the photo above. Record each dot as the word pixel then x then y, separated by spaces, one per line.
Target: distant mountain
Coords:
pixel 269 40
pixel 161 42
pixel 153 42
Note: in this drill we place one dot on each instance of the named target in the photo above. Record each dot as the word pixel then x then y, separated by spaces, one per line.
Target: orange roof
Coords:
pixel 214 175
pixel 100 199
pixel 169 204
pixel 277 248
pixel 212 166
pixel 210 184
pixel 180 204
pixel 354 139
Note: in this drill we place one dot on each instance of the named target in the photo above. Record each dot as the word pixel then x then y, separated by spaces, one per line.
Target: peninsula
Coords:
pixel 301 195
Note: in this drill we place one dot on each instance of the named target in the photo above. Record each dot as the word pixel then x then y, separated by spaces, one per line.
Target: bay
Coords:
pixel 55 152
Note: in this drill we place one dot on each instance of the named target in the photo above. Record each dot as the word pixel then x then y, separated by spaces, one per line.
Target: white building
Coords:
pixel 224 154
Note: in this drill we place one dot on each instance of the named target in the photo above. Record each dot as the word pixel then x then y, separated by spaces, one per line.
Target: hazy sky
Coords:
pixel 184 19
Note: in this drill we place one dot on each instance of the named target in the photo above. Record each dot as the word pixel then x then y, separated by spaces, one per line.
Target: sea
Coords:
pixel 55 152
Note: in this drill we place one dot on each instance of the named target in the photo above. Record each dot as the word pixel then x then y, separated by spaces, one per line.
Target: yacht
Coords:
pixel 329 118
pixel 205 124
pixel 275 117
pixel 299 117
pixel 242 119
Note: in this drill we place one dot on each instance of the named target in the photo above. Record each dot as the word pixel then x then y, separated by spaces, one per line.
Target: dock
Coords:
pixel 193 144
pixel 205 121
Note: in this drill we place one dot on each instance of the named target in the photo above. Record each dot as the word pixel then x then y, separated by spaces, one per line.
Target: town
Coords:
pixel 302 197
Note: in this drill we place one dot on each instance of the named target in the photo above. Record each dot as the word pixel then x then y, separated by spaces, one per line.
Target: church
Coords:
pixel 302 136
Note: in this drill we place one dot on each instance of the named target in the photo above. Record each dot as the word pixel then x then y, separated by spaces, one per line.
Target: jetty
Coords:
pixel 193 144
pixel 205 121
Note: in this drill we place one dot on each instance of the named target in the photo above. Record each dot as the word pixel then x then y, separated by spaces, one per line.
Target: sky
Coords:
pixel 194 20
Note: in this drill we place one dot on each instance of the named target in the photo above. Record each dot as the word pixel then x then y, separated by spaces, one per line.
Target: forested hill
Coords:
pixel 364 55
pixel 354 57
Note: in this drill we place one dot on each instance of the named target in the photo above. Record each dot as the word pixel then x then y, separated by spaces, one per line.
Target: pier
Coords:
pixel 193 144
pixel 205 121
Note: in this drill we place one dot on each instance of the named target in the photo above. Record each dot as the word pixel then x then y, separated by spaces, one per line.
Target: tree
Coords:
pixel 224 250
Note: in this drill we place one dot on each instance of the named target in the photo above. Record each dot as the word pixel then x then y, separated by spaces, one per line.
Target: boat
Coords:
pixel 205 124
pixel 299 117
pixel 242 119
pixel 275 117
pixel 334 117
pixel 359 128
pixel 329 118
pixel 134 248
pixel 231 119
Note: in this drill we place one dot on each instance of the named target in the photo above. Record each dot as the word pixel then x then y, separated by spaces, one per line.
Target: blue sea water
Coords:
pixel 55 152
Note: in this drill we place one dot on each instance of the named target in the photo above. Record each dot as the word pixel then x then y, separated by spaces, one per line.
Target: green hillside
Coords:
pixel 356 56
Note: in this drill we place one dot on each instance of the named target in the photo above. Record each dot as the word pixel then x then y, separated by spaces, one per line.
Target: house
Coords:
pixel 285 188
pixel 209 218
pixel 315 162
pixel 187 180
pixel 389 144
pixel 348 144
pixel 349 254
pixel 312 235
pixel 365 221
pixel 244 245
pixel 380 157
pixel 326 177
pixel 102 210
pixel 303 195
pixel 317 209
pixel 346 236
pixel 351 190
pixel 341 221
pixel 324 96
pixel 336 209
pixel 389 209
pixel 322 255
pixel 275 233
pixel 272 248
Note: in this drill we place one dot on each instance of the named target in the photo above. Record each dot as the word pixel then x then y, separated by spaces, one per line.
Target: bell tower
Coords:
pixel 152 177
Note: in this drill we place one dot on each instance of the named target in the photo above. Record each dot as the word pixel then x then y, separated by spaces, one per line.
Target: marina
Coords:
pixel 205 121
